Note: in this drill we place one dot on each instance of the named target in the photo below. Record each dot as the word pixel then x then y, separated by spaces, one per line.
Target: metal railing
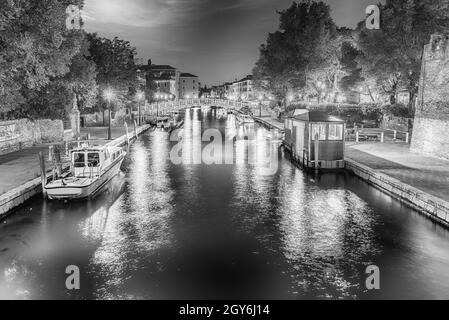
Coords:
pixel 175 105
pixel 381 135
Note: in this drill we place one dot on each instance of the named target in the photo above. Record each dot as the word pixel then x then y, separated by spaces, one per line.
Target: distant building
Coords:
pixel 206 93
pixel 243 89
pixel 218 92
pixel 189 86
pixel 166 78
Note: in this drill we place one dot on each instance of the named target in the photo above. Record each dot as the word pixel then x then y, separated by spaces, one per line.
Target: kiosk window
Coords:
pixel 319 129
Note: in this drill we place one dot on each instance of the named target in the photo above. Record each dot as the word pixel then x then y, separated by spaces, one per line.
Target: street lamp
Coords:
pixel 109 96
pixel 157 96
pixel 140 96
pixel 260 105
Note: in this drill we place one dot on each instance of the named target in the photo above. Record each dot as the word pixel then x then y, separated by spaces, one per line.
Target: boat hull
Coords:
pixel 83 188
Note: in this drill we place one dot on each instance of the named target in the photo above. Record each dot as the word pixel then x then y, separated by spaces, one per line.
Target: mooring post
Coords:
pixel 135 129
pixel 382 137
pixel 43 173
pixel 127 133
pixel 407 137
pixel 50 153
pixel 66 147
pixel 357 139
pixel 395 135
pixel 317 151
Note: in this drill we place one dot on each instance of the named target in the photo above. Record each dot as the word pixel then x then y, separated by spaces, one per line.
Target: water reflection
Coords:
pixel 190 230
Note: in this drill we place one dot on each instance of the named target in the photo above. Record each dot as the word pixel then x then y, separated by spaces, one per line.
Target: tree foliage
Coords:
pixel 303 52
pixel 114 60
pixel 392 56
pixel 35 49
pixel 309 50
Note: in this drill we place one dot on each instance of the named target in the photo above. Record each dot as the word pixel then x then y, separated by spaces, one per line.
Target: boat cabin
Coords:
pixel 88 162
pixel 316 139
pixel 163 122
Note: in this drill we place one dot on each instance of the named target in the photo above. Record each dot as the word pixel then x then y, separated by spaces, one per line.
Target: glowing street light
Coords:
pixel 140 96
pixel 108 94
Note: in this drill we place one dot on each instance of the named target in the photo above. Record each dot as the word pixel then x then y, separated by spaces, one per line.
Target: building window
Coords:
pixel 335 132
pixel 319 129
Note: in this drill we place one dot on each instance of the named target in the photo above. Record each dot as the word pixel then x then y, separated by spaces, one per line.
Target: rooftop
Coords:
pixel 156 67
pixel 188 75
pixel 317 116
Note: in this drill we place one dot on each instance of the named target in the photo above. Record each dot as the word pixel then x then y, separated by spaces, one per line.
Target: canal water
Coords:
pixel 172 227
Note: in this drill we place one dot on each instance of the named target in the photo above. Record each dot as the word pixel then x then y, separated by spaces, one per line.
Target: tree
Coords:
pixel 114 60
pixel 35 49
pixel 301 53
pixel 392 55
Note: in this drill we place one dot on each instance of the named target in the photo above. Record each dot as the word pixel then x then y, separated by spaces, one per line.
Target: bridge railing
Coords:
pixel 175 105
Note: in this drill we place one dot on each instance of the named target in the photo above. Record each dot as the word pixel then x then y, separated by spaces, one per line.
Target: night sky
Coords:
pixel 217 40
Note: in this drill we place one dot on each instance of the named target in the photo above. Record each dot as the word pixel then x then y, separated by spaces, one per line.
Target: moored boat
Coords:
pixel 244 118
pixel 91 168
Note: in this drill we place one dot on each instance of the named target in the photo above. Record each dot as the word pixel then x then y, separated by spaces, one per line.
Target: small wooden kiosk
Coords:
pixel 316 139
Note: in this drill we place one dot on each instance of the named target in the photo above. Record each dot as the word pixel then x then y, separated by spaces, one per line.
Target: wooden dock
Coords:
pixel 270 123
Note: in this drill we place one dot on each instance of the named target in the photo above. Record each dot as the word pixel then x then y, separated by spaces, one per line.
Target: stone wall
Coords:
pixel 51 130
pixel 431 127
pixel 23 133
pixel 433 207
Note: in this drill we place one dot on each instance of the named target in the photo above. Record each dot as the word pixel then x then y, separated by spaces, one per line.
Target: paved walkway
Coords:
pixel 428 174
pixel 19 167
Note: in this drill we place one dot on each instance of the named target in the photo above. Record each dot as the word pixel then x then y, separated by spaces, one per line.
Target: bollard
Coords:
pixel 357 139
pixel 127 134
pixel 43 173
pixel 382 137
pixel 135 129
pixel 407 137
pixel 395 135
pixel 50 153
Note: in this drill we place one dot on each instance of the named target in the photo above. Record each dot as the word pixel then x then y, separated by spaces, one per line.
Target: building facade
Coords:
pixel 169 80
pixel 243 89
pixel 189 86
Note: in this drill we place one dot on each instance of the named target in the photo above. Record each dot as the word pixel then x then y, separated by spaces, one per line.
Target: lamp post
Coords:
pixel 140 97
pixel 157 105
pixel 109 95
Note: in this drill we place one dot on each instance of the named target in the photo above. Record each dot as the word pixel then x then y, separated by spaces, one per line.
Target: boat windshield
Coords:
pixel 93 159
pixel 79 160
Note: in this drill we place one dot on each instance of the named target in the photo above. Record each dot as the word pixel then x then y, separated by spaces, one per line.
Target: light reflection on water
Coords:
pixel 222 231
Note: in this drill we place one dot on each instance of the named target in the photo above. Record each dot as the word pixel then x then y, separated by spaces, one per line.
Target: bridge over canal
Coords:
pixel 165 107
